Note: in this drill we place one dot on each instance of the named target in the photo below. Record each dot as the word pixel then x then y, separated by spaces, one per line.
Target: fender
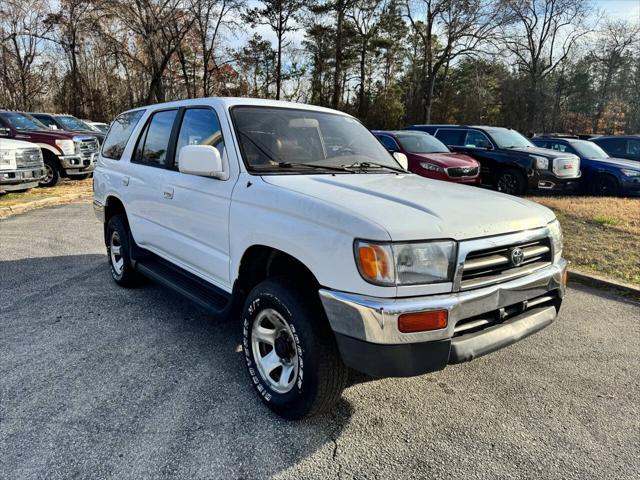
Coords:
pixel 46 146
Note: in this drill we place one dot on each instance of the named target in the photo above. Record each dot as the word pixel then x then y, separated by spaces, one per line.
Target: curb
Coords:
pixel 593 280
pixel 6 212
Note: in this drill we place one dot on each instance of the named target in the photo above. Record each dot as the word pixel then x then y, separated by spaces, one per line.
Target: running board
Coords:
pixel 199 291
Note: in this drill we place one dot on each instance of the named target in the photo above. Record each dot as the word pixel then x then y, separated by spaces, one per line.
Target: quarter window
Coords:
pixel 153 144
pixel 119 134
pixel 200 126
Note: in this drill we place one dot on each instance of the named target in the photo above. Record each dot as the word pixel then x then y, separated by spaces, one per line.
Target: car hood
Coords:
pixel 447 159
pixel 9 144
pixel 543 152
pixel 617 162
pixel 410 207
pixel 50 134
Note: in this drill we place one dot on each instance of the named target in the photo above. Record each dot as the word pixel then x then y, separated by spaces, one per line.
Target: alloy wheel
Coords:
pixel 115 251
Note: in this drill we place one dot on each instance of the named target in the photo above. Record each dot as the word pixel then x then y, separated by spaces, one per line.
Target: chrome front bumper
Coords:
pixel 79 164
pixel 21 176
pixel 375 320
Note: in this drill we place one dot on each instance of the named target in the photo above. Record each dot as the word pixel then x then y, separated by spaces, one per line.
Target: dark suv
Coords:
pixel 620 146
pixel 67 123
pixel 509 162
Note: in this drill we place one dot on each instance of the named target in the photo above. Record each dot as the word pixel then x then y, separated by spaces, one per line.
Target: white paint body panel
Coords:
pixel 210 223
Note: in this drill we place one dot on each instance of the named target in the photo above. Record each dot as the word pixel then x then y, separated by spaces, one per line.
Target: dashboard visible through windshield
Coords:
pixel 288 139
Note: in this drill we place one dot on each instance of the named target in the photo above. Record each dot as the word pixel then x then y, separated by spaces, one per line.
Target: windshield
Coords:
pixel 589 150
pixel 421 143
pixel 20 121
pixel 506 138
pixel 72 123
pixel 273 138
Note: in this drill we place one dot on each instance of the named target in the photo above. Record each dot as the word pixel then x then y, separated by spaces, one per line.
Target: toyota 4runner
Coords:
pixel 296 223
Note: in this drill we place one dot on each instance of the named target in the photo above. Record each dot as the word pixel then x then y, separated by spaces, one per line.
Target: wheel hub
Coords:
pixel 282 347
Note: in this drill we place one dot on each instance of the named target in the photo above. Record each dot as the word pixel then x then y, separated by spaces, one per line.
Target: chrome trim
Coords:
pixel 375 319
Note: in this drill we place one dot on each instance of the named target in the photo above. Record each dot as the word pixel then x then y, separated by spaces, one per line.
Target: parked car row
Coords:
pixel 68 149
pixel 507 161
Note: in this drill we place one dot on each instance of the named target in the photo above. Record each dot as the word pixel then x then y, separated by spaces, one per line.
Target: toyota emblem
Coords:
pixel 517 256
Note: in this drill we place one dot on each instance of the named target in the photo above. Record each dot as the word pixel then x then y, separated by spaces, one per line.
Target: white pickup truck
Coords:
pixel 295 222
pixel 21 165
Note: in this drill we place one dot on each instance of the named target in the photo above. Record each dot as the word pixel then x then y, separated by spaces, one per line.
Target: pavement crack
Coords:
pixel 335 434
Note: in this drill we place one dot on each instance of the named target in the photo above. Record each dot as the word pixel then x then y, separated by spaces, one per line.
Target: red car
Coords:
pixel 429 157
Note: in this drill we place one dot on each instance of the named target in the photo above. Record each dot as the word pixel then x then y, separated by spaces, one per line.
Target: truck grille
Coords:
pixel 457 172
pixel 496 265
pixel 87 147
pixel 30 157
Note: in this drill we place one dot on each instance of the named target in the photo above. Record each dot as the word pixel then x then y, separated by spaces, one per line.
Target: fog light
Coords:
pixel 423 321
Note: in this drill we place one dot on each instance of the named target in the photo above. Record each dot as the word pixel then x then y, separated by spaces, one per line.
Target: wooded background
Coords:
pixel 533 65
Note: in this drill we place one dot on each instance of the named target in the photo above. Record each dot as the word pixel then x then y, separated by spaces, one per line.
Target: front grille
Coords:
pixel 30 157
pixel 87 147
pixel 495 265
pixel 457 172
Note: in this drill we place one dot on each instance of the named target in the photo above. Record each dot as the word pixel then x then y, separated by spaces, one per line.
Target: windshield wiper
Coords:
pixel 314 166
pixel 365 165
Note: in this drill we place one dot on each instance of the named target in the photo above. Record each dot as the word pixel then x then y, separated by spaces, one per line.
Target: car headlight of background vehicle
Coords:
pixel 555 234
pixel 431 167
pixel 420 263
pixel 68 147
pixel 630 173
pixel 7 159
pixel 542 163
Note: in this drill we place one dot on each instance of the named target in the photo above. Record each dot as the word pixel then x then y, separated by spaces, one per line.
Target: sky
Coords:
pixel 629 9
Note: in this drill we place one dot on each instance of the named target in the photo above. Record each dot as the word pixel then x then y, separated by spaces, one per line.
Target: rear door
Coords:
pixel 146 199
pixel 196 209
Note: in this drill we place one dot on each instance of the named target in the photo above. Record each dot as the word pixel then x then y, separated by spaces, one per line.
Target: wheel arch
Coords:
pixel 113 205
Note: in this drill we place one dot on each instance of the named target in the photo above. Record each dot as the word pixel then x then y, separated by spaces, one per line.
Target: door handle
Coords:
pixel 167 193
pixel 125 181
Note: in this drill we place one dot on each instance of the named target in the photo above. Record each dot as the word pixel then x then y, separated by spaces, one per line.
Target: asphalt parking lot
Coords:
pixel 101 382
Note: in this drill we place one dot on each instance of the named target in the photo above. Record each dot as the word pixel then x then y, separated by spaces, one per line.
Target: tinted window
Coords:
pixel 388 142
pixel 451 137
pixel 119 134
pixel 560 147
pixel 476 139
pixel 633 147
pixel 46 120
pixel 153 144
pixel 540 143
pixel 200 126
pixel 613 146
pixel 20 121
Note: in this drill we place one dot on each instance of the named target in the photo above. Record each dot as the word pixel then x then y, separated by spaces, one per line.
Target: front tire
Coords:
pixel 52 173
pixel 289 350
pixel 511 182
pixel 605 186
pixel 119 253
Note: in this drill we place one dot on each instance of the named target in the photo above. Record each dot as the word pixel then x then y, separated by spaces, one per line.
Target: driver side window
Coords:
pixel 476 139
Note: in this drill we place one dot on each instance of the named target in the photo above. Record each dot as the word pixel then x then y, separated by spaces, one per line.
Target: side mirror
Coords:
pixel 201 160
pixel 4 132
pixel 402 159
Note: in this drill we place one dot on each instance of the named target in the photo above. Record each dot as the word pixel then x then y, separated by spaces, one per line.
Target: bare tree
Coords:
pixel 449 29
pixel 541 35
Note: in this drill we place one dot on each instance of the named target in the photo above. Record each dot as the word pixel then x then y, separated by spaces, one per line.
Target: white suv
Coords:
pixel 296 222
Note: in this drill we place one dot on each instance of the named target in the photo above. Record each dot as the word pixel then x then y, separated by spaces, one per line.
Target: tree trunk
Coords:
pixel 337 74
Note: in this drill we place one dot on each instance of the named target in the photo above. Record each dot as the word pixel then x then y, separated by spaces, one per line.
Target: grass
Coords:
pixel 601 234
pixel 82 187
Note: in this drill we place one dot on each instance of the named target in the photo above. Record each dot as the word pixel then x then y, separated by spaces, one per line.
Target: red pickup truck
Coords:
pixel 65 155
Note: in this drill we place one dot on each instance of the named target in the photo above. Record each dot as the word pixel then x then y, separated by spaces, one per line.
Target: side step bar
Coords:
pixel 207 296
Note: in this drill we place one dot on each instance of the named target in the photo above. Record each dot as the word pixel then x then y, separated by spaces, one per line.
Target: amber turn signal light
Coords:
pixel 564 279
pixel 423 321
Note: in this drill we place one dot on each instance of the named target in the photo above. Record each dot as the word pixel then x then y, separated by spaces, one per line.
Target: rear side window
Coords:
pixel 613 146
pixel 119 134
pixel 153 144
pixel 451 137
pixel 388 143
pixel 200 126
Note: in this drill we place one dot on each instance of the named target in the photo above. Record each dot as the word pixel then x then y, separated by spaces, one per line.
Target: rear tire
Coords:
pixel 119 253
pixel 511 182
pixel 291 355
pixel 52 177
pixel 605 186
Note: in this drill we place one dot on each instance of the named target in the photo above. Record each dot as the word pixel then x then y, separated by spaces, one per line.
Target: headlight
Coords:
pixel 68 147
pixel 630 173
pixel 431 167
pixel 555 234
pixel 391 264
pixel 7 158
pixel 542 163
